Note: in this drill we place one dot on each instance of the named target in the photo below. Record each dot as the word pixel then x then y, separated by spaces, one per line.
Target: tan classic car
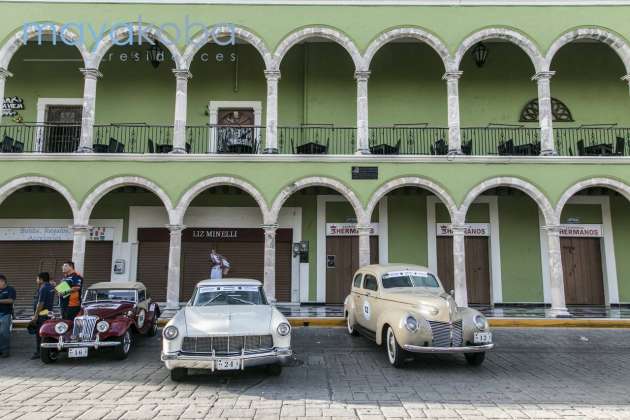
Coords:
pixel 406 308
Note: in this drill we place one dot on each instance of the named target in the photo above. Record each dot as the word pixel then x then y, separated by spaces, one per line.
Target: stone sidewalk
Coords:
pixel 533 374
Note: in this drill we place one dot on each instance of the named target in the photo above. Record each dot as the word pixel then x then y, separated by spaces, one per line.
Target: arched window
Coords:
pixel 559 110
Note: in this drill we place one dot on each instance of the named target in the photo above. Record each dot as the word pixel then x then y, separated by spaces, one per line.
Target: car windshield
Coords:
pixel 228 295
pixel 409 279
pixel 98 295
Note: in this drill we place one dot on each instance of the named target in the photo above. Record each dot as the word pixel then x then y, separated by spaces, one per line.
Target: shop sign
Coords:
pixel 52 234
pixel 472 229
pixel 348 229
pixel 201 234
pixel 10 106
pixel 581 231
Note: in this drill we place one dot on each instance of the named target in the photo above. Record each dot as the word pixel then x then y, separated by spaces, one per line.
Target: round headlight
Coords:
pixel 102 326
pixel 481 322
pixel 61 328
pixel 411 323
pixel 170 332
pixel 284 329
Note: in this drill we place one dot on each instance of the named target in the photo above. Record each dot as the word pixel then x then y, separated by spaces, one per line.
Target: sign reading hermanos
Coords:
pixel 581 231
pixel 52 234
pixel 348 229
pixel 472 229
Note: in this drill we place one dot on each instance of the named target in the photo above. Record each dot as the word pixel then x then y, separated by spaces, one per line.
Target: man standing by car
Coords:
pixel 7 297
pixel 42 307
pixel 219 265
pixel 71 302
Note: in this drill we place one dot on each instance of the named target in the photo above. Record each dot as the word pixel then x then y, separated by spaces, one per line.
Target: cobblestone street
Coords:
pixel 551 373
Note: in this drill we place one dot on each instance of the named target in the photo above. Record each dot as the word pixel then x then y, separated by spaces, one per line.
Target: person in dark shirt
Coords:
pixel 42 307
pixel 71 302
pixel 7 297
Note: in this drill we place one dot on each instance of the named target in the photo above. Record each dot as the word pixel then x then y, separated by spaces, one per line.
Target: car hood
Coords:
pixel 228 320
pixel 418 297
pixel 105 310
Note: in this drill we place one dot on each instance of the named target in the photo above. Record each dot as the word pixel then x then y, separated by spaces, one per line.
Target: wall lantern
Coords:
pixel 301 249
pixel 155 55
pixel 480 53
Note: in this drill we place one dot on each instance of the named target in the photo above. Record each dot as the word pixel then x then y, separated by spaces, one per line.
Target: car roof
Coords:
pixel 118 285
pixel 229 282
pixel 380 269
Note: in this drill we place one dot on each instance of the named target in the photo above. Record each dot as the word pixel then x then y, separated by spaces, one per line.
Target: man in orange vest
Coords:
pixel 71 302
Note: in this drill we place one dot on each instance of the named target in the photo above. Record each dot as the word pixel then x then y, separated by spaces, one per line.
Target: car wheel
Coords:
pixel 179 374
pixel 48 356
pixel 350 326
pixel 395 353
pixel 274 370
pixel 122 350
pixel 475 359
pixel 153 330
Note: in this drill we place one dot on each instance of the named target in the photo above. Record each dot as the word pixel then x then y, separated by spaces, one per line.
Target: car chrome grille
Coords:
pixel 446 334
pixel 227 345
pixel 83 327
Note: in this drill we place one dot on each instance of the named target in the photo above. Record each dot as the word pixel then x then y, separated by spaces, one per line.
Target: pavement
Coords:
pixel 550 373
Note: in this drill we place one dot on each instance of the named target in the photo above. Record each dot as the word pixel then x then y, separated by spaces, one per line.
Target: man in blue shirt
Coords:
pixel 42 307
pixel 7 297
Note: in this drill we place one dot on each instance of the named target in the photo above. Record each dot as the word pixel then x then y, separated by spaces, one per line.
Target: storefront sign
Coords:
pixel 581 231
pixel 202 234
pixel 52 234
pixel 348 229
pixel 10 106
pixel 472 229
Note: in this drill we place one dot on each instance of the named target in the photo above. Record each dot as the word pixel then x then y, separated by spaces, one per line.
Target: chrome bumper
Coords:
pixel 200 361
pixel 95 344
pixel 448 350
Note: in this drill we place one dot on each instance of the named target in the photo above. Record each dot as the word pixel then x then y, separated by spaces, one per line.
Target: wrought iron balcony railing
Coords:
pixel 317 140
pixel 231 139
pixel 133 138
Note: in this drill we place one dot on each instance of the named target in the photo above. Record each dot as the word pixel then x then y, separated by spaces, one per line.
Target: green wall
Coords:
pixel 620 214
pixel 407 223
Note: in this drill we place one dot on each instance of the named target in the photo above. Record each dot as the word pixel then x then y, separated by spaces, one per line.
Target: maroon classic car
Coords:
pixel 110 315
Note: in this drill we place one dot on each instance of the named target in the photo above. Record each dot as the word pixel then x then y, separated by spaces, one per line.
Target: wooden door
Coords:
pixel 63 128
pixel 477 267
pixel 582 269
pixel 342 260
pixel 236 130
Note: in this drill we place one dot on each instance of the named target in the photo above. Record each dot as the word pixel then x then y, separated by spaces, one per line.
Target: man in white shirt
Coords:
pixel 219 265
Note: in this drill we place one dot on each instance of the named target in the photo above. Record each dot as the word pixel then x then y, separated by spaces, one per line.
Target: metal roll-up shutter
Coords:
pixel 153 268
pixel 98 262
pixel 284 251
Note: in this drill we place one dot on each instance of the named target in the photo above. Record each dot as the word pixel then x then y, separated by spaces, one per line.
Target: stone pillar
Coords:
pixel 556 277
pixel 181 106
pixel 364 244
pixel 269 279
pixel 4 74
pixel 79 239
pixel 625 78
pixel 271 131
pixel 174 259
pixel 545 115
pixel 363 130
pixel 90 77
pixel 452 90
pixel 459 265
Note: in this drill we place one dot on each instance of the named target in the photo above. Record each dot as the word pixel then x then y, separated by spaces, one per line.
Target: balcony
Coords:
pixel 315 140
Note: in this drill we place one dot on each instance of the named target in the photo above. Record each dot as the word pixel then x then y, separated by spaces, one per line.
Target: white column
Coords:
pixel 269 276
pixel 625 78
pixel 4 74
pixel 545 115
pixel 271 131
pixel 90 77
pixel 363 131
pixel 174 259
pixel 452 91
pixel 556 276
pixel 181 106
pixel 79 239
pixel 459 265
pixel 364 244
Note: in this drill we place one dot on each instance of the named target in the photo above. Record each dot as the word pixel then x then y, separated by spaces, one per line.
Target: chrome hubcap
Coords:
pixel 391 345
pixel 126 342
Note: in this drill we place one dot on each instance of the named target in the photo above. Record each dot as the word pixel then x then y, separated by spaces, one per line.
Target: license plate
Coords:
pixel 78 352
pixel 228 364
pixel 483 338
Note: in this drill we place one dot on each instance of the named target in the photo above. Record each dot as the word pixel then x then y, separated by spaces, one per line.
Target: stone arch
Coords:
pixel 412 181
pixel 618 186
pixel 416 33
pixel 317 181
pixel 239 32
pixel 608 37
pixel 217 181
pixel 507 34
pixel 110 185
pixel 531 190
pixel 16 40
pixel 25 181
pixel 150 32
pixel 317 31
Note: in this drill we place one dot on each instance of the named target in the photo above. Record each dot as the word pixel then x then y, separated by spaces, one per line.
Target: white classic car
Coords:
pixel 227 325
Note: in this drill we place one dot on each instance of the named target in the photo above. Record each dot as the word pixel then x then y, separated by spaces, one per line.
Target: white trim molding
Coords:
pixel 448 3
